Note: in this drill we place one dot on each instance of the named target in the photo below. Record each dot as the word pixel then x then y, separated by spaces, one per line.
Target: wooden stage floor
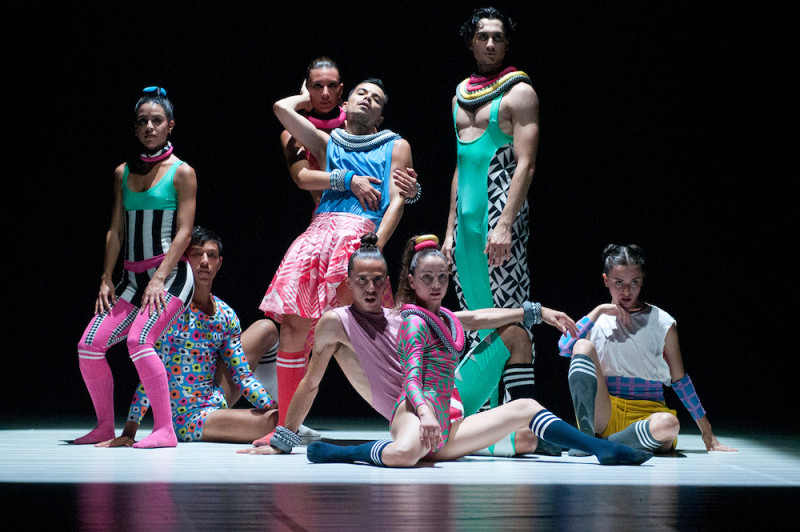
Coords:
pixel 49 484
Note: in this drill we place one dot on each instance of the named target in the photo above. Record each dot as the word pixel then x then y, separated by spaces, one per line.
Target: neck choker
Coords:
pixel 335 120
pixel 160 155
pixel 477 90
pixel 452 337
pixel 362 142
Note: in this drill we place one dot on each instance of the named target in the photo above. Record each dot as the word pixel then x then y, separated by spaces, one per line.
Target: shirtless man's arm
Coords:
pixel 519 116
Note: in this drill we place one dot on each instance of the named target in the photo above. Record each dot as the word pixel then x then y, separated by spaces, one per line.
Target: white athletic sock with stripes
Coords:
pixel 266 370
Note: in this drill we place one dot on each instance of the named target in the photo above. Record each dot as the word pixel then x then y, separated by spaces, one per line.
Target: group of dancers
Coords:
pixel 446 393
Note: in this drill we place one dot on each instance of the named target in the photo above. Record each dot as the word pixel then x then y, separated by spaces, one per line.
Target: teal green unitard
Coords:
pixel 485 168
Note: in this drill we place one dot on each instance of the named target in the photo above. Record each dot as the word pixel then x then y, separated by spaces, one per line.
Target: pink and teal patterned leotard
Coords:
pixel 429 350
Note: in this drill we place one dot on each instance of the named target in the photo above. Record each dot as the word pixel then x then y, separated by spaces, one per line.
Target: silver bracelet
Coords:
pixel 284 439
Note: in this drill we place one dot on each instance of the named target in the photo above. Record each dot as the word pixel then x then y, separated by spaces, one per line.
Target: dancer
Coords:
pixel 152 217
pixel 496 114
pixel 309 279
pixel 430 342
pixel 624 354
pixel 190 347
pixel 324 87
pixel 363 339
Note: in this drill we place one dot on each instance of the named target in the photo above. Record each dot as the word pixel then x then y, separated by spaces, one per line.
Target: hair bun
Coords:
pixel 609 249
pixel 426 241
pixel 369 240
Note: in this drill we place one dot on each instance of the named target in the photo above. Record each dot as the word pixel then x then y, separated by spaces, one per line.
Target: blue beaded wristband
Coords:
pixel 347 179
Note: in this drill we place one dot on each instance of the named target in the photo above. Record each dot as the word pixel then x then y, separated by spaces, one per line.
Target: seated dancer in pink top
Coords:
pixel 430 343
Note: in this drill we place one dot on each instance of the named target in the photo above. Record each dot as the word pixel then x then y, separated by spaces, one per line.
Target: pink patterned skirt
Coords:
pixel 314 266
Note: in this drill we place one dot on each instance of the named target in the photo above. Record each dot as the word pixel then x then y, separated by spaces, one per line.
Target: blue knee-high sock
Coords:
pixel 321 452
pixel 553 429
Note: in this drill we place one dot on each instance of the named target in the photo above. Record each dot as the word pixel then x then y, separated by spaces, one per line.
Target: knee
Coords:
pixel 262 335
pixel 400 455
pixel 266 330
pixel 526 409
pixel 135 344
pixel 664 426
pixel 84 345
pixel 525 441
pixel 584 347
pixel 518 344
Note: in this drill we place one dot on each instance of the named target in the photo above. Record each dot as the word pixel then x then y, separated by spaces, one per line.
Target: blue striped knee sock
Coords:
pixel 553 429
pixel 321 452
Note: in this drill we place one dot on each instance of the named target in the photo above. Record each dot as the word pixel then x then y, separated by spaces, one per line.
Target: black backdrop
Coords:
pixel 662 123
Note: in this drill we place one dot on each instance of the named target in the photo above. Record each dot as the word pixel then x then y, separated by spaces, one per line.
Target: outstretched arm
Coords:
pixel 329 334
pixel 685 390
pixel 492 318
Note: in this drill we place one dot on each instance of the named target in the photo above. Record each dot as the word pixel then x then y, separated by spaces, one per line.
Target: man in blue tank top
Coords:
pixel 496 113
pixel 360 195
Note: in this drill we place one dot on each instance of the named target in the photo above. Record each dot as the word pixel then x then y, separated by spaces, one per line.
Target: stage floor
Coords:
pixel 204 486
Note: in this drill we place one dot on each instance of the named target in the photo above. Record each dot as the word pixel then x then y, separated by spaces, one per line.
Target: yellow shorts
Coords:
pixel 625 412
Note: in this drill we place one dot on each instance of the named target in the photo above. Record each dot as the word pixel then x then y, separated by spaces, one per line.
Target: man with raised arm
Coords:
pixel 359 195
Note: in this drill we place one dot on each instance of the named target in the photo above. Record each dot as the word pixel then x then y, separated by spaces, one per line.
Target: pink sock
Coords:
pixel 100 383
pixel 154 379
pixel 291 369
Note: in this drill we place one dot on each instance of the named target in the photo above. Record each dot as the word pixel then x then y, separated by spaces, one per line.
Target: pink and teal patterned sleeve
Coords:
pixel 411 341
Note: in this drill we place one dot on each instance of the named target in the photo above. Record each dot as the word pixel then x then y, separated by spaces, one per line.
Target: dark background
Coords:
pixel 664 124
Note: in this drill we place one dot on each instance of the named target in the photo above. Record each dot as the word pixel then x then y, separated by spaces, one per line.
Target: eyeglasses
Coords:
pixel 378 280
pixel 158 90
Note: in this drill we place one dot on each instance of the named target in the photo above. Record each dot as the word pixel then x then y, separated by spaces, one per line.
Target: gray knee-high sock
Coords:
pixel 266 371
pixel 582 379
pixel 638 436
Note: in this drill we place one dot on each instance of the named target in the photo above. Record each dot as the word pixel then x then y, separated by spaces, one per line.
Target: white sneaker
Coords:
pixel 308 435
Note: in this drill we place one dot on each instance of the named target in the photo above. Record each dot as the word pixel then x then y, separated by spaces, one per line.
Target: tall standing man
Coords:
pixel 496 115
